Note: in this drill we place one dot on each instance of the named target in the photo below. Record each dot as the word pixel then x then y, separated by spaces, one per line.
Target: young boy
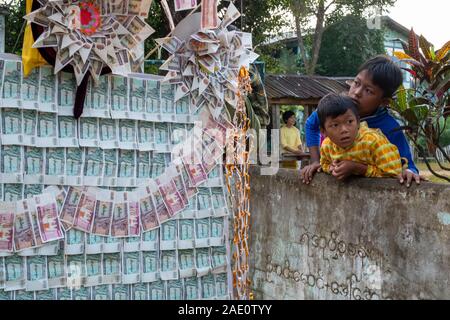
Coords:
pixel 365 152
pixel 371 90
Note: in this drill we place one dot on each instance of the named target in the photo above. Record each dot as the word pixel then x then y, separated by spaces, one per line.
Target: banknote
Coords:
pixel 169 265
pixel 182 110
pixel 101 292
pixel 169 230
pixel 111 268
pixel 143 167
pixel 150 240
pixel 12 192
pixel 162 137
pixel 186 263
pixel 67 85
pixel 177 177
pixel 121 292
pixel 150 266
pixel 93 270
pixel 230 16
pixel 158 165
pixel 153 99
pixel 7 214
pixel 30 90
pixel 192 288
pixel 31 190
pixel 94 244
pixel 104 206
pixel 120 223
pixel 74 242
pixel 185 4
pixel 148 211
pixel 170 194
pixel 195 170
pixel 127 134
pixel 11 164
pixel 12 81
pixel 208 287
pixel 70 205
pixel 191 210
pixel 29 126
pixel 222 291
pixel 37 278
pixel 76 270
pixel 204 204
pixel 74 166
pixel 218 226
pixel 175 290
pixel 170 44
pixel 93 166
pixel 202 233
pixel 139 291
pixel 11 126
pixel 202 261
pixel 47 89
pixel 146 136
pixel 219 259
pixel 127 168
pixel 186 234
pixel 15 276
pixel 215 177
pixel 108 134
pixel 136 98
pixel 47 214
pixel 81 293
pixel 46 295
pixel 157 290
pixel 110 162
pixel 47 130
pixel 119 98
pixel 134 219
pixel 54 166
pixel 64 293
pixel 68 136
pixel 56 270
pixel 191 191
pixel 88 128
pixel 23 229
pixel 218 202
pixel 33 165
pixel 112 245
pixel 168 102
pixel 84 215
pixel 132 244
pixel 161 208
pixel 131 267
pixel 23 295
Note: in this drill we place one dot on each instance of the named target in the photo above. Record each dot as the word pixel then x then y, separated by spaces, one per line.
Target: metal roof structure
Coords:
pixel 302 89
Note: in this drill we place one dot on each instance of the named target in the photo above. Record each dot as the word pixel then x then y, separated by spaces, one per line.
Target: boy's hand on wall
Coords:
pixel 308 172
pixel 344 169
pixel 409 176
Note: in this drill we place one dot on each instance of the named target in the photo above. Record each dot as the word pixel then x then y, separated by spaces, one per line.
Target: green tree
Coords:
pixel 14 25
pixel 346 44
pixel 323 11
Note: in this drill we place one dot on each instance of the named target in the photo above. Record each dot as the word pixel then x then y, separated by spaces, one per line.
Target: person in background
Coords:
pixel 290 141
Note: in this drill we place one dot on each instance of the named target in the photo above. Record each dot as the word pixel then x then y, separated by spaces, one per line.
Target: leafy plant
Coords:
pixel 425 109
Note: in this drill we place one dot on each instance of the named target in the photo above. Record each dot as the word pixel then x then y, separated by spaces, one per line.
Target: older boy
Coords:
pixel 371 90
pixel 366 152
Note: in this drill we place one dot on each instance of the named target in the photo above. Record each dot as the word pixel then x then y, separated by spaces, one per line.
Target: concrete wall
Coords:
pixel 362 239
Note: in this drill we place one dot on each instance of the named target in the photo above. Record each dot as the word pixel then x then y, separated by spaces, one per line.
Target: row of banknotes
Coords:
pixel 211 286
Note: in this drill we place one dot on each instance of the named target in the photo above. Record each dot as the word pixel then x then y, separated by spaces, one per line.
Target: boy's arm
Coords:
pixel 386 158
pixel 312 132
pixel 325 159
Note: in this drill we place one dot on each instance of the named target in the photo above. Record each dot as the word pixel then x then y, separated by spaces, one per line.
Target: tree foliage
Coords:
pixel 321 12
pixel 346 44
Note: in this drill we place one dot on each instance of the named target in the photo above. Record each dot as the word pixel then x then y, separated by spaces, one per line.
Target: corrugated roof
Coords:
pixel 303 87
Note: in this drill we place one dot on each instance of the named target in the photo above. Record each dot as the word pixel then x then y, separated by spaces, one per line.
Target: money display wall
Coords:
pixel 98 208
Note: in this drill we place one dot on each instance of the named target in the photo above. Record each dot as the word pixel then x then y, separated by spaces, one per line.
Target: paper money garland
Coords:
pixel 93 35
pixel 206 65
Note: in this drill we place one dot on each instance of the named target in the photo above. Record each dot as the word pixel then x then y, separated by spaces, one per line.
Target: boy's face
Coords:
pixel 343 129
pixel 366 94
pixel 291 121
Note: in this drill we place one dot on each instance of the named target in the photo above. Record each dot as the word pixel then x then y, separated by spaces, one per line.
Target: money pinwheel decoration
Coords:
pixel 90 37
pixel 205 64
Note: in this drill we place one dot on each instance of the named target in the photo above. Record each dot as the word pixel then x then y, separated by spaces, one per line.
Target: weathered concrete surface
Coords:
pixel 362 239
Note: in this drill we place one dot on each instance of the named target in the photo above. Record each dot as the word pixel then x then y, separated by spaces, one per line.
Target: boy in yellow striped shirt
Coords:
pixel 350 146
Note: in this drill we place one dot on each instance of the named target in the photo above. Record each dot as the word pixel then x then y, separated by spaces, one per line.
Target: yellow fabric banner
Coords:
pixel 31 58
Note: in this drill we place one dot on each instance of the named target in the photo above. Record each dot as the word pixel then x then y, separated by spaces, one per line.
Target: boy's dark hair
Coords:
pixel 384 73
pixel 333 105
pixel 287 115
